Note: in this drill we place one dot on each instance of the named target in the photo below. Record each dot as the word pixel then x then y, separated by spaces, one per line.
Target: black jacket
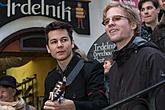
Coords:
pixel 158 35
pixel 87 90
pixel 137 66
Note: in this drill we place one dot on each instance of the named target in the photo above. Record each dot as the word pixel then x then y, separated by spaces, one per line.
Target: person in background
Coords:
pixel 80 53
pixel 149 10
pixel 107 64
pixel 138 64
pixel 86 91
pixel 158 35
pixel 108 61
pixel 162 9
pixel 8 98
pixel 162 4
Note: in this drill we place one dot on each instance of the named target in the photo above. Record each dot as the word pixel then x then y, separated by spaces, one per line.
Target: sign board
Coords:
pixel 101 48
pixel 133 3
pixel 73 11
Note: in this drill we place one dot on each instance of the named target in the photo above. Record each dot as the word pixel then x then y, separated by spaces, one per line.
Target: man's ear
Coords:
pixel 133 25
pixel 158 10
pixel 47 47
pixel 73 44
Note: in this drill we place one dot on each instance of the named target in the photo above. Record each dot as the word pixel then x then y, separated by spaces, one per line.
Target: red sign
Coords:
pixel 133 3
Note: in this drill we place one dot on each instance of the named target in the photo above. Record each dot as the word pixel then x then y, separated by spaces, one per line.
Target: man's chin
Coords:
pixel 61 58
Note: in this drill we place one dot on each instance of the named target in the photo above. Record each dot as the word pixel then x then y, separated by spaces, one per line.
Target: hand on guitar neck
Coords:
pixel 58 92
pixel 56 98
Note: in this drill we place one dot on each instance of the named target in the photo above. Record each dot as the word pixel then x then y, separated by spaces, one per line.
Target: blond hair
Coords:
pixel 130 12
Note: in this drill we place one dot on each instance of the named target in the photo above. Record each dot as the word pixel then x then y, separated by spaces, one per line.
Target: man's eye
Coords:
pixel 64 40
pixel 150 7
pixel 53 42
pixel 3 91
pixel 142 9
pixel 116 18
pixel 106 21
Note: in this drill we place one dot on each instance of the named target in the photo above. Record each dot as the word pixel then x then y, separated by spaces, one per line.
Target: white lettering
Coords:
pixel 103 50
pixel 35 6
pixel 13 8
pixel 8 8
pixel 66 10
pixel 58 10
pixel 28 5
pixel 43 7
pixel 48 7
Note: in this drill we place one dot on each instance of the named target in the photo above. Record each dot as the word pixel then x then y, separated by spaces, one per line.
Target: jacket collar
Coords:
pixel 70 66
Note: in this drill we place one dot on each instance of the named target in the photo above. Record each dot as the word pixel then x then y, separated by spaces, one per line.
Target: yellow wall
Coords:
pixel 39 66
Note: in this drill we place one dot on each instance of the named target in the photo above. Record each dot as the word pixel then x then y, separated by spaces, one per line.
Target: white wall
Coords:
pixel 97 29
pixel 83 41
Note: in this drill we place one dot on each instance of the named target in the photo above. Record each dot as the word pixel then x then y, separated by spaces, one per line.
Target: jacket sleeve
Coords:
pixel 49 84
pixel 46 95
pixel 95 88
pixel 157 72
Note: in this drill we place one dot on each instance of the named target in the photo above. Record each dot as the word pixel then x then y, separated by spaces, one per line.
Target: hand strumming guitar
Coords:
pixel 57 101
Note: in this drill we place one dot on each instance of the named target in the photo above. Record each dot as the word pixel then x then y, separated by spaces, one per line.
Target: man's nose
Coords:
pixel 145 11
pixel 111 23
pixel 59 43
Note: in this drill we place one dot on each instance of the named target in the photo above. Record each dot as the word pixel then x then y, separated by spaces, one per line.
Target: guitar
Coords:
pixel 58 92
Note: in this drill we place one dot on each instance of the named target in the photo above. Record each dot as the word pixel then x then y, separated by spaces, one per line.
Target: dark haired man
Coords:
pixel 158 34
pixel 86 91
pixel 149 10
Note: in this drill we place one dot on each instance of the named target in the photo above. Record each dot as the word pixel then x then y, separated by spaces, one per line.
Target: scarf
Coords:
pixel 18 104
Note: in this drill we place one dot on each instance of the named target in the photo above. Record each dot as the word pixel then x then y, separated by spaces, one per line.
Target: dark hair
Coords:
pixel 109 59
pixel 58 25
pixel 154 2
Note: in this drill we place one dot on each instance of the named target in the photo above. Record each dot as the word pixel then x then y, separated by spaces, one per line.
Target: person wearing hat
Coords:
pixel 8 98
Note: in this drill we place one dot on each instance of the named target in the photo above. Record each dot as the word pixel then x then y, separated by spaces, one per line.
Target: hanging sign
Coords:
pixel 133 3
pixel 73 11
pixel 101 48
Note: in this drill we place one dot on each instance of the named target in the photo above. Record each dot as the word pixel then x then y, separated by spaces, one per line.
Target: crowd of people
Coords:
pixel 137 63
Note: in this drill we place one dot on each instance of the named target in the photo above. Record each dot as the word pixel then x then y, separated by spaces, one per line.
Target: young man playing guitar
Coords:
pixel 84 83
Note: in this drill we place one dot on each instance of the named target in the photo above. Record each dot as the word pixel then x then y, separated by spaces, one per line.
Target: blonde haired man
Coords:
pixel 138 64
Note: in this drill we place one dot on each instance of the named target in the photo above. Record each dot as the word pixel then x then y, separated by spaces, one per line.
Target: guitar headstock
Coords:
pixel 58 91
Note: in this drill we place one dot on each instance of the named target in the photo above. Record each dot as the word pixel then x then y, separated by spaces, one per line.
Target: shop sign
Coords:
pixel 101 48
pixel 72 11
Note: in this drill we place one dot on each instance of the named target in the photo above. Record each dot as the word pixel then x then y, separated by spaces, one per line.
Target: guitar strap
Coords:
pixel 74 72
